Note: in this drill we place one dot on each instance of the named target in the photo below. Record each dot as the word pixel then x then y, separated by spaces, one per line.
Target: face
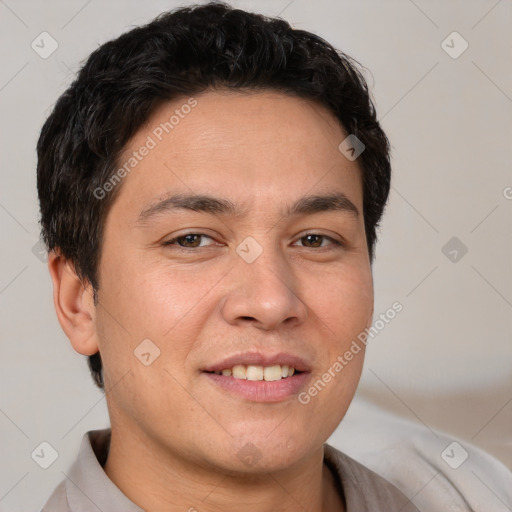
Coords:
pixel 254 276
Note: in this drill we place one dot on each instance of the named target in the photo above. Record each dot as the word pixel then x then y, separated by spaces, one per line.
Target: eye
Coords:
pixel 315 240
pixel 187 241
pixel 194 240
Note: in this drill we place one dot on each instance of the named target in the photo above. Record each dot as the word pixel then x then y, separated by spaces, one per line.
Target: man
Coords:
pixel 210 188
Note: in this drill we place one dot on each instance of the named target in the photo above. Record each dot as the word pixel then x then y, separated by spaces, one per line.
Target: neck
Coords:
pixel 157 479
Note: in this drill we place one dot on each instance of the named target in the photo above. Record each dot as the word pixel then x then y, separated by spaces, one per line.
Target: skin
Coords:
pixel 176 436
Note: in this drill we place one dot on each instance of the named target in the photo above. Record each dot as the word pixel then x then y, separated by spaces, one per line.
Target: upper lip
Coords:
pixel 259 359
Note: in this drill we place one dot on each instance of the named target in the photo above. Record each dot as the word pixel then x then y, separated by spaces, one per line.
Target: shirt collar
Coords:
pixel 88 487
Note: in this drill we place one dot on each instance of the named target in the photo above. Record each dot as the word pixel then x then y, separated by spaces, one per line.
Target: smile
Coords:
pixel 255 373
pixel 258 377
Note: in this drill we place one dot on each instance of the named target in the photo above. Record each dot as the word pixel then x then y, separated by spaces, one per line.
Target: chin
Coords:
pixel 259 454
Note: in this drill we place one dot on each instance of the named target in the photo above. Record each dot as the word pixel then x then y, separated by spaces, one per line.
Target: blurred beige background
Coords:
pixel 445 250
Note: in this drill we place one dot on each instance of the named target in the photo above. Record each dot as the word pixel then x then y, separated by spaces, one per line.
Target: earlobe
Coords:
pixel 74 305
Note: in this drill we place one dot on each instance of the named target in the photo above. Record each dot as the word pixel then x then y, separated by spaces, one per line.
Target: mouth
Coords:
pixel 259 378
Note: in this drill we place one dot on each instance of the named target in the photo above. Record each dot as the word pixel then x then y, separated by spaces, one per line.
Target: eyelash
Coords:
pixel 171 242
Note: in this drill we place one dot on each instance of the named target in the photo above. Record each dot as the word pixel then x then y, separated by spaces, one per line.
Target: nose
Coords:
pixel 263 293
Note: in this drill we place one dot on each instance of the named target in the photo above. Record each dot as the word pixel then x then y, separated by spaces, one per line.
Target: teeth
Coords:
pixel 250 372
pixel 254 373
pixel 272 373
pixel 239 371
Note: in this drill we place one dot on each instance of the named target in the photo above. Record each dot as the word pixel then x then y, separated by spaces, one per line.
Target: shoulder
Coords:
pixel 363 488
pixel 57 502
pixel 435 470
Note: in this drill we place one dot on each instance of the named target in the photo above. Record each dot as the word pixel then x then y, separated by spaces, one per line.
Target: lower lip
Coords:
pixel 261 390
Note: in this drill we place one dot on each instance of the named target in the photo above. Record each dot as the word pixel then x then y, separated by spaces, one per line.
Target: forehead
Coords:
pixel 244 146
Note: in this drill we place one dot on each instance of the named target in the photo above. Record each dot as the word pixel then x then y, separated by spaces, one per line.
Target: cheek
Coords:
pixel 153 298
pixel 343 301
pixel 178 301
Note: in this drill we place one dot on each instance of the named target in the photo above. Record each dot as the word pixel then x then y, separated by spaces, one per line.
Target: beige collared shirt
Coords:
pixel 87 487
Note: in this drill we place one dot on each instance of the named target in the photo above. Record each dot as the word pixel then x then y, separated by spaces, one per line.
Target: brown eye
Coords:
pixel 188 241
pixel 315 241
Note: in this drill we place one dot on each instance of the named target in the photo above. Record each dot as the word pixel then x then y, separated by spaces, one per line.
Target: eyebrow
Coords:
pixel 306 205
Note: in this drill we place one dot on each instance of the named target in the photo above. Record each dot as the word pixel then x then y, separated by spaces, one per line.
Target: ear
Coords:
pixel 74 305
